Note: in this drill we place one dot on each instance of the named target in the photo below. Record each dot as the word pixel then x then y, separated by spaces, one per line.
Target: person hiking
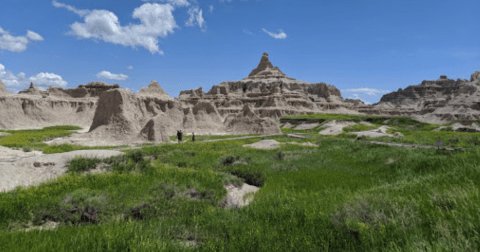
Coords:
pixel 193 136
pixel 179 136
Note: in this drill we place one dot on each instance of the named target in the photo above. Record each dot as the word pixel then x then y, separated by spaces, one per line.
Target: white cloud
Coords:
pixel 109 76
pixel 210 8
pixel 156 21
pixel 248 32
pixel 222 1
pixel 34 36
pixel 368 91
pixel 181 3
pixel 195 17
pixel 17 43
pixel 42 80
pixel 130 67
pixel 281 35
pixel 81 13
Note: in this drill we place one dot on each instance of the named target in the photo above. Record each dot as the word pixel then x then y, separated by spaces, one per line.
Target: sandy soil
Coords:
pixel 456 126
pixel 335 127
pixel 17 170
pixel 379 132
pixel 305 126
pixel 366 123
pixel 288 125
pixel 264 144
pixel 235 195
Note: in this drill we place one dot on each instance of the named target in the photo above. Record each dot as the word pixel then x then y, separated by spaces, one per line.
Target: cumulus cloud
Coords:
pixel 17 43
pixel 110 76
pixel 81 13
pixel 130 67
pixel 210 8
pixel 181 3
pixel 368 91
pixel 34 36
pixel 196 17
pixel 156 21
pixel 42 80
pixel 280 35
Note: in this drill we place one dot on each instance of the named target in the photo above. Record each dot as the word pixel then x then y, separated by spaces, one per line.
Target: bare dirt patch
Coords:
pixel 240 196
pixel 264 144
pixel 335 127
pixel 33 170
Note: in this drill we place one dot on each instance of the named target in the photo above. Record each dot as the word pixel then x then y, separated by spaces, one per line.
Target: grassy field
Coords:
pixel 414 132
pixel 29 140
pixel 340 195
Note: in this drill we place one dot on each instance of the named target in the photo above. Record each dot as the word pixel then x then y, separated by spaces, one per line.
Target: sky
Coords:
pixel 365 48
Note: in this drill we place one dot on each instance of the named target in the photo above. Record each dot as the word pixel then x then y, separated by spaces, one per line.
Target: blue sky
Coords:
pixel 364 47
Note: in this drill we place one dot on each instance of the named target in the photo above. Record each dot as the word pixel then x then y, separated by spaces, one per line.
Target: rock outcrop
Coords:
pixel 247 122
pixel 272 94
pixel 3 90
pixel 27 112
pixel 32 90
pixel 122 114
pixel 153 89
pixel 438 101
pixel 34 108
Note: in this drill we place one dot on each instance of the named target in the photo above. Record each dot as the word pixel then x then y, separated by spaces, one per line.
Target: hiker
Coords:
pixel 193 136
pixel 179 135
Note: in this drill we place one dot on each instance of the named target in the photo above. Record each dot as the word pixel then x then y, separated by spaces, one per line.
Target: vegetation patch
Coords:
pixel 342 195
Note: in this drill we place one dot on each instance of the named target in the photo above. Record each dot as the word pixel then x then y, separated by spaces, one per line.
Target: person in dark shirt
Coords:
pixel 179 136
pixel 193 136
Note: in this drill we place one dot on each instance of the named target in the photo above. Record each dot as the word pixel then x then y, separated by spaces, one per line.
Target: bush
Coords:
pixel 228 159
pixel 136 156
pixel 255 178
pixel 81 164
pixel 27 149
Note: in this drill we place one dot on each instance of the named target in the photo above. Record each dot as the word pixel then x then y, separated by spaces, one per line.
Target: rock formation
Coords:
pixel 247 122
pixel 32 90
pixel 34 108
pixel 3 90
pixel 437 101
pixel 153 89
pixel 272 94
pixel 122 114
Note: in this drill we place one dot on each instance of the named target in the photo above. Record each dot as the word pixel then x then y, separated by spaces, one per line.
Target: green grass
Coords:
pixel 414 132
pixel 208 137
pixel 29 140
pixel 340 196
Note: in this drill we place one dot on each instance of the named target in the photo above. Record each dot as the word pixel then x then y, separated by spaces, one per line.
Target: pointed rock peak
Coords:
pixel 154 84
pixel 32 86
pixel 153 88
pixel 265 70
pixel 264 63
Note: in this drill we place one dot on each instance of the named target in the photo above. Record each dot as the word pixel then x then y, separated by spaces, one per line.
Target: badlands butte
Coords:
pixel 114 115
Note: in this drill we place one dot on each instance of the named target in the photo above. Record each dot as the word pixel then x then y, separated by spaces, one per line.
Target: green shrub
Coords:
pixel 136 155
pixel 81 164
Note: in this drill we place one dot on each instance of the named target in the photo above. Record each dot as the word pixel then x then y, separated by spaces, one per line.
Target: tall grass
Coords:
pixel 342 195
pixel 29 140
